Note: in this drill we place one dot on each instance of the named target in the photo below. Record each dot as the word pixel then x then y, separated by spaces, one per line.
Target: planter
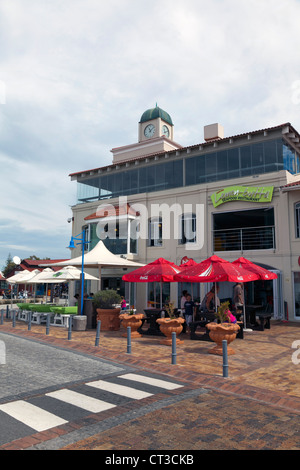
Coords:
pixel 134 321
pixel 167 326
pixel 220 331
pixel 109 318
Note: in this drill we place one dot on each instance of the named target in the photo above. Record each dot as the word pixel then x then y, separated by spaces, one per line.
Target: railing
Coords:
pixel 246 238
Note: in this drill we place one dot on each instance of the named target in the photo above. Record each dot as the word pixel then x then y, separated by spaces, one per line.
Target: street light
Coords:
pixel 82 242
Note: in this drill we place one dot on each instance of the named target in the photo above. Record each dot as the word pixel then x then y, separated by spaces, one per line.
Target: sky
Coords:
pixel 76 76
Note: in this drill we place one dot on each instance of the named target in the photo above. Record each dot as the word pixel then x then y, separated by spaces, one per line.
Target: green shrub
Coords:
pixel 106 299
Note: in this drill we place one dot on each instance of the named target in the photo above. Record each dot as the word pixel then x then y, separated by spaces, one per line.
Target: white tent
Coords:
pixel 99 257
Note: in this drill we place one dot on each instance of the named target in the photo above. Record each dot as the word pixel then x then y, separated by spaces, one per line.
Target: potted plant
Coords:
pixel 170 324
pixel 134 320
pixel 225 329
pixel 107 307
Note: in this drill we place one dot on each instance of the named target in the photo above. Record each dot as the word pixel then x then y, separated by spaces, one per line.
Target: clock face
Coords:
pixel 149 131
pixel 165 131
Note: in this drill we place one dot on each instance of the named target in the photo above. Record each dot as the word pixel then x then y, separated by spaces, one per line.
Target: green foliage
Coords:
pixel 222 312
pixel 106 299
pixel 169 308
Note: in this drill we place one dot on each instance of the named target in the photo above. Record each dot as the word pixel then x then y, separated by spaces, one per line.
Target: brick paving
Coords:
pixel 256 407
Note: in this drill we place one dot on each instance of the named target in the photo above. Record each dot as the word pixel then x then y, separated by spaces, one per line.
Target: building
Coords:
pixel 231 196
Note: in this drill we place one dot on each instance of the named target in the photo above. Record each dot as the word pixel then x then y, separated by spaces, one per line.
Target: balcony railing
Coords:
pixel 246 238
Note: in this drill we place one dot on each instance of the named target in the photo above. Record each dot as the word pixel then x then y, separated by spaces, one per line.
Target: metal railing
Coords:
pixel 246 238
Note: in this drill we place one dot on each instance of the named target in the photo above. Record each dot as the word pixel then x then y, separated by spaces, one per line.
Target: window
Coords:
pixel 297 219
pixel 244 230
pixel 188 229
pixel 155 231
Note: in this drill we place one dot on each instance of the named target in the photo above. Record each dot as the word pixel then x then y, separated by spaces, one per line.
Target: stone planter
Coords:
pixel 220 331
pixel 167 326
pixel 134 321
pixel 109 318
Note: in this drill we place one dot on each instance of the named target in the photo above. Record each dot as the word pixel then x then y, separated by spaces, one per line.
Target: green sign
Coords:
pixel 243 193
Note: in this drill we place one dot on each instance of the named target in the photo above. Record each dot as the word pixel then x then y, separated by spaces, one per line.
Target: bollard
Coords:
pixel 98 333
pixel 128 340
pixel 174 348
pixel 48 324
pixel 2 316
pixel 13 318
pixel 7 310
pixel 29 321
pixel 225 358
pixel 70 328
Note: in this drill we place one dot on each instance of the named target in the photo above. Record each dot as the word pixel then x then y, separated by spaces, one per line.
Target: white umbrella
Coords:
pixel 22 277
pixel 67 273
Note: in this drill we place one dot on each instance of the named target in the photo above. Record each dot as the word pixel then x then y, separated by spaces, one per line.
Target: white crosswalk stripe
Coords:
pixel 119 389
pixel 37 418
pixel 82 401
pixel 31 415
pixel 151 381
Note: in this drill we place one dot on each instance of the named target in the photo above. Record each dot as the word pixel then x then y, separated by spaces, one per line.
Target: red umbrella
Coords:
pixel 263 273
pixel 215 269
pixel 160 270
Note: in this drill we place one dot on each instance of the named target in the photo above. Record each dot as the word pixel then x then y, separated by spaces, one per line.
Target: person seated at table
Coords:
pixel 208 303
pixel 230 317
pixel 189 307
pixel 123 303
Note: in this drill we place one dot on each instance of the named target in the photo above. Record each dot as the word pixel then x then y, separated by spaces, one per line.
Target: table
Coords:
pixel 152 314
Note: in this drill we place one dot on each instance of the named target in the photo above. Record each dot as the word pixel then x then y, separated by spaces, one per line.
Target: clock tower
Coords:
pixel 155 135
pixel 155 123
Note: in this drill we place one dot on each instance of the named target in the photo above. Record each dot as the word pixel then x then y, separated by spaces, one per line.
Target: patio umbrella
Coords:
pixel 66 274
pixel 216 269
pixel 159 270
pixel 185 266
pixel 22 277
pixel 263 273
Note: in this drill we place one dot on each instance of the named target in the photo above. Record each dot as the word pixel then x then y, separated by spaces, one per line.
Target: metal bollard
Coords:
pixel 48 324
pixel 2 316
pixel 7 311
pixel 174 354
pixel 70 328
pixel 98 333
pixel 29 320
pixel 13 318
pixel 128 340
pixel 225 358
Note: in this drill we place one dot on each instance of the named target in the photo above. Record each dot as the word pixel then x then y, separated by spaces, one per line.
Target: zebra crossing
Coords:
pixel 55 408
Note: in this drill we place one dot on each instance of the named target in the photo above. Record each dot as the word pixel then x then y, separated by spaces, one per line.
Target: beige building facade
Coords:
pixel 230 196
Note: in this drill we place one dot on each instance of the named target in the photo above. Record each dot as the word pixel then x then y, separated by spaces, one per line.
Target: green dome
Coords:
pixel 155 113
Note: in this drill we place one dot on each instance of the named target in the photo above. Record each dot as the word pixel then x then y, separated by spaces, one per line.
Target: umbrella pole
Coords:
pixel 244 313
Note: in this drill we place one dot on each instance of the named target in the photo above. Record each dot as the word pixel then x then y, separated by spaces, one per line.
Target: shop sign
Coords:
pixel 243 193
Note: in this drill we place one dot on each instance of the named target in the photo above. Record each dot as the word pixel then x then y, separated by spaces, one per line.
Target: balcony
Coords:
pixel 243 239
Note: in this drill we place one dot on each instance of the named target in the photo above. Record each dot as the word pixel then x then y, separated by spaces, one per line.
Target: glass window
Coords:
pixel 270 154
pixel 246 160
pixel 222 164
pixel 257 158
pixel 233 163
pixel 211 167
pixel 297 219
pixel 155 231
pixel 188 229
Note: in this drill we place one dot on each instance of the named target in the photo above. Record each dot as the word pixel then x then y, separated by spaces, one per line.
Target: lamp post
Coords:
pixel 82 242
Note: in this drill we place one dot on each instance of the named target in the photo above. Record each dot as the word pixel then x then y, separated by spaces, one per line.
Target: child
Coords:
pixel 189 306
pixel 231 318
pixel 123 304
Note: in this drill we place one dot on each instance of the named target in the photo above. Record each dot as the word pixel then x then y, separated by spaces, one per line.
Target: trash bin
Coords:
pixel 79 322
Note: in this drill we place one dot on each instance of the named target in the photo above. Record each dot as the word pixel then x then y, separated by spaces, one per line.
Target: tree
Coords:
pixel 10 265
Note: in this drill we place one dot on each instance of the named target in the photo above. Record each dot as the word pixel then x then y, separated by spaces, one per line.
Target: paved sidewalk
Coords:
pixel 256 407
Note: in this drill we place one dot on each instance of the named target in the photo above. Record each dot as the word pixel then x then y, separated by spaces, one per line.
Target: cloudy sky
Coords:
pixel 76 76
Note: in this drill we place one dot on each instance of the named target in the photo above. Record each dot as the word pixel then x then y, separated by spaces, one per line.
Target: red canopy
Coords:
pixel 215 269
pixel 263 273
pixel 160 270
